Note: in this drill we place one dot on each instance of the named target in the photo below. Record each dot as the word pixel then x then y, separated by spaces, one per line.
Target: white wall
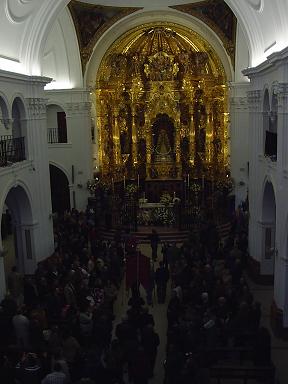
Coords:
pixel 78 150
pixel 33 174
pixel 52 111
pixel 271 75
pixel 61 58
pixel 242 59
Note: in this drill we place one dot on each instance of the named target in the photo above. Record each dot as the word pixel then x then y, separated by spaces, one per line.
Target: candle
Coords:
pixel 112 185
pixel 203 182
pixel 138 181
pixel 188 181
pixel 124 182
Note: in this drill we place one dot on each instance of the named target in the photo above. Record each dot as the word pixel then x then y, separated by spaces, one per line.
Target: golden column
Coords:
pixel 116 137
pixel 177 140
pixel 192 140
pixel 209 132
pixel 134 137
pixel 148 145
pixel 191 127
pixel 135 93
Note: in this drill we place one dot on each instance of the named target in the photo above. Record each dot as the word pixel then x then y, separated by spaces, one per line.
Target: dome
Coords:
pixel 161 52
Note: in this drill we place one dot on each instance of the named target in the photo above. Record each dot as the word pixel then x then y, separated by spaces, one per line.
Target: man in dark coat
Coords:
pixel 161 279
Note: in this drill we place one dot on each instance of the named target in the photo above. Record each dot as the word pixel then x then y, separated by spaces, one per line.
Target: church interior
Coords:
pixel 144 218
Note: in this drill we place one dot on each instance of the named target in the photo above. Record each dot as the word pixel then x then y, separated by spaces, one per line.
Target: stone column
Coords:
pixel 2 274
pixel 281 256
pixel 255 185
pixel 41 229
pixel 239 138
pixel 79 126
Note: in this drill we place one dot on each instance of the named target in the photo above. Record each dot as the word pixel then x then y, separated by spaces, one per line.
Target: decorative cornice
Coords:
pixel 239 102
pixel 219 17
pixel 271 61
pixel 77 108
pixel 254 97
pixel 36 107
pixel 91 21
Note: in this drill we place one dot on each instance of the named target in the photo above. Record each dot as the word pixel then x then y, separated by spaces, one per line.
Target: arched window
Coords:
pixel 270 126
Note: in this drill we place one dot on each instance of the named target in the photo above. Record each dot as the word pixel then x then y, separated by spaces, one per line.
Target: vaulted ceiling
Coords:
pixel 25 25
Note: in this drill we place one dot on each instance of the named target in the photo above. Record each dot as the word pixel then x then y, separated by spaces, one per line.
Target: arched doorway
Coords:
pixel 60 193
pixel 16 232
pixel 269 230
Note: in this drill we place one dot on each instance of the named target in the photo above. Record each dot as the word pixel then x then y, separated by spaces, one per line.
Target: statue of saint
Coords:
pixel 163 147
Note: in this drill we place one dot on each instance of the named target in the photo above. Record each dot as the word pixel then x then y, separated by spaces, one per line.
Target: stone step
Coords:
pixel 165 234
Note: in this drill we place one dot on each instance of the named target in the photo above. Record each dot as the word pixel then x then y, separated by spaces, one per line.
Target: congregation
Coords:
pixel 57 325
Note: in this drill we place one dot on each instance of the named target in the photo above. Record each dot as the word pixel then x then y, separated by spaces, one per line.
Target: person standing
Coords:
pixel 21 326
pixel 150 343
pixel 154 240
pixel 16 286
pixel 55 377
pixel 161 279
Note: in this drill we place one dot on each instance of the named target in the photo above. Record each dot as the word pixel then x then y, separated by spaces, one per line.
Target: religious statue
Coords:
pixel 163 147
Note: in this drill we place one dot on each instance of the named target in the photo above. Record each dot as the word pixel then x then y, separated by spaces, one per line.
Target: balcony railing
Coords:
pixel 54 136
pixel 12 150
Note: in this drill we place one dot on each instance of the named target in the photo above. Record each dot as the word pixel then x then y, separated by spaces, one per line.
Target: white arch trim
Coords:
pixel 140 18
pixel 269 179
pixel 57 103
pixel 63 169
pixel 6 104
pixel 19 96
pixel 9 187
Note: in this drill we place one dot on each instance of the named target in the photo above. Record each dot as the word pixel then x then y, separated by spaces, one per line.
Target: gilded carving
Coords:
pixel 162 105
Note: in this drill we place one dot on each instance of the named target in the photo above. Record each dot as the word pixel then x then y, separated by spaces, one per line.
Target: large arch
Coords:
pixel 18 202
pixel 261 23
pixel 4 117
pixel 141 18
pixel 60 193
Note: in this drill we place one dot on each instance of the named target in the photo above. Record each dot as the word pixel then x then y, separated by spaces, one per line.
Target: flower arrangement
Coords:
pixel 195 187
pixel 131 189
pixel 166 198
pixel 96 184
pixel 92 185
pixel 225 185
pixel 164 215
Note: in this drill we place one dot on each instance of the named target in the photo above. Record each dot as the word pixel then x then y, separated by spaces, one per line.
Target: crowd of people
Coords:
pixel 56 325
pixel 212 314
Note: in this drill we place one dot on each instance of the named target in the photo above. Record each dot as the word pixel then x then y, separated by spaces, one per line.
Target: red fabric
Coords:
pixel 140 266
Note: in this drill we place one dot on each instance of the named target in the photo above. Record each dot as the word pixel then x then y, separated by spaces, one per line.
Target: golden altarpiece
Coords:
pixel 162 107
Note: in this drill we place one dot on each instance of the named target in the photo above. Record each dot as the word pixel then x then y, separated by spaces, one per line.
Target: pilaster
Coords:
pixel 38 152
pixel 78 118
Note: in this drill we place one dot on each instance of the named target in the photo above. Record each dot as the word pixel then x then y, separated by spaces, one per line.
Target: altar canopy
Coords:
pixel 162 106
